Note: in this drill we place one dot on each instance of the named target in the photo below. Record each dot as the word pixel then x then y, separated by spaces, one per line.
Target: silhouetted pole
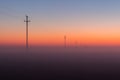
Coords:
pixel 65 41
pixel 76 44
pixel 27 21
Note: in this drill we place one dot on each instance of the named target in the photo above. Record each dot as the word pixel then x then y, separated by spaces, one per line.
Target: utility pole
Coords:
pixel 76 44
pixel 27 21
pixel 65 40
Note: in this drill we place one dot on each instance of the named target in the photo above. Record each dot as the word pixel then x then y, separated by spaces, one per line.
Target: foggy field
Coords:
pixel 60 62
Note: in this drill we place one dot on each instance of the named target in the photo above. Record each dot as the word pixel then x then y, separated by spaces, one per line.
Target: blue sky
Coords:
pixel 61 6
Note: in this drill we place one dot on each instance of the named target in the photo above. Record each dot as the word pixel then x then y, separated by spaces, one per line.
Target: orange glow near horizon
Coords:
pixel 53 36
pixel 59 40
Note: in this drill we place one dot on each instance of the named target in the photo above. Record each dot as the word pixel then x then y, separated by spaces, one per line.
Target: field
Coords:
pixel 60 63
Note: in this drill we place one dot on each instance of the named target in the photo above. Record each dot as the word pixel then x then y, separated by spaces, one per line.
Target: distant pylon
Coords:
pixel 65 41
pixel 76 44
pixel 27 21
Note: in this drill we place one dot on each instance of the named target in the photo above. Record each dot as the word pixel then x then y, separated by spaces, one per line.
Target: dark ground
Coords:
pixel 83 63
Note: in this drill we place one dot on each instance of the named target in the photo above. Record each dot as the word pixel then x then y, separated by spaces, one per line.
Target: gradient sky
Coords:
pixel 87 22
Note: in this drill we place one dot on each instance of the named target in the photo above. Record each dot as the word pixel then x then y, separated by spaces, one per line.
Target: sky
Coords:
pixel 84 22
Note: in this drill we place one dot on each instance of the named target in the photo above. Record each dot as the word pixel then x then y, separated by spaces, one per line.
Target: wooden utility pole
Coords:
pixel 27 21
pixel 65 41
